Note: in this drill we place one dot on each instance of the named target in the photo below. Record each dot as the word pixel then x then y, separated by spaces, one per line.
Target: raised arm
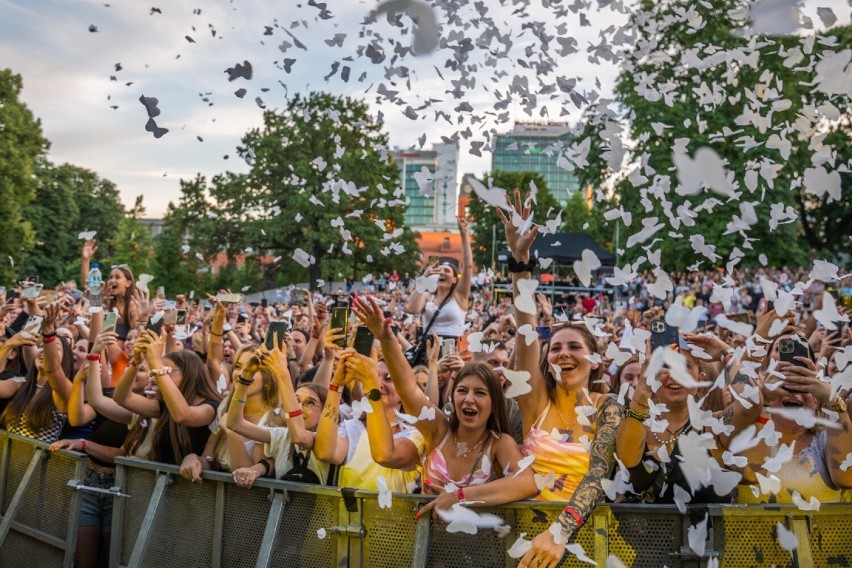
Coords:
pixel 462 291
pixel 414 400
pixel 526 356
pixel 9 387
pixel 417 300
pixel 60 384
pixel 179 409
pixel 588 492
pixel 105 405
pixel 123 394
pixel 79 412
pixel 328 445
pixel 216 339
pixel 86 254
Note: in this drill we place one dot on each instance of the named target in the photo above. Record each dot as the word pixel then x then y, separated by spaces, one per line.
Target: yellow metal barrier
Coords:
pixel 162 520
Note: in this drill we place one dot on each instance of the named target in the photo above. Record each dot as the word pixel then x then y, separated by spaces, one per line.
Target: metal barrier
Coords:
pixel 160 519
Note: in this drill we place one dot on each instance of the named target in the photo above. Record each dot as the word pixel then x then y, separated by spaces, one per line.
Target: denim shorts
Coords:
pixel 96 508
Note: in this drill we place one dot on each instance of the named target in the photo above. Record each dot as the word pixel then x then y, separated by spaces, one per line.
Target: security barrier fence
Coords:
pixel 162 520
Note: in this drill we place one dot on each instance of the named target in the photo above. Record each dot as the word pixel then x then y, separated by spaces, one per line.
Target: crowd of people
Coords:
pixel 433 385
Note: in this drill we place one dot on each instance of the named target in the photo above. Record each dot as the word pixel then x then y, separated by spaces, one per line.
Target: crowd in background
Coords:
pixel 442 386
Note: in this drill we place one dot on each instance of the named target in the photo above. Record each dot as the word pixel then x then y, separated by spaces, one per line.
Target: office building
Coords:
pixel 536 147
pixel 429 180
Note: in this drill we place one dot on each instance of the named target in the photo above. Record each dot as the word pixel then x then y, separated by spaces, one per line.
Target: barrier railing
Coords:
pixel 160 519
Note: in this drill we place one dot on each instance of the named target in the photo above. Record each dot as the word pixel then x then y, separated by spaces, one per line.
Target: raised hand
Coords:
pixel 89 250
pixel 518 243
pixel 372 316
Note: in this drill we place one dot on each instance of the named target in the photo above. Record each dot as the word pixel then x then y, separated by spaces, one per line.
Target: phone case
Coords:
pixel 364 341
pixel 275 327
pixel 663 334
pixel 339 320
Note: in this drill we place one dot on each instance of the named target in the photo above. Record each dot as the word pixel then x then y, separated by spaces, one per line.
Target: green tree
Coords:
pixel 21 144
pixel 52 215
pixel 99 204
pixel 580 215
pixel 487 228
pixel 321 180
pixel 132 243
pixel 701 88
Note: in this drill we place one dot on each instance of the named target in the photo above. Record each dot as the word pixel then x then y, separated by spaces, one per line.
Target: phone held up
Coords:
pixel 364 341
pixel 663 334
pixel 276 328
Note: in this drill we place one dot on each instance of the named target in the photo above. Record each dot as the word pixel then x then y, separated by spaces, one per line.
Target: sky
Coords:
pixel 178 52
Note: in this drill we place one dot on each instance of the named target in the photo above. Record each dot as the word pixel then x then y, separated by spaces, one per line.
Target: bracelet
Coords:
pixel 574 513
pixel 213 333
pixel 316 337
pixel 292 359
pixel 515 266
pixel 240 400
pixel 334 388
pixel 48 335
pixel 93 357
pixel 295 413
pixel 761 420
pixel 50 339
pixel 245 381
pixel 161 372
pixel 460 493
pixel 640 416
pixel 266 467
pixel 84 445
pixel 133 363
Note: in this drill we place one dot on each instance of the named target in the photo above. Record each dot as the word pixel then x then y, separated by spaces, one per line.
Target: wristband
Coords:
pixel 515 266
pixel 245 381
pixel 761 420
pixel 48 335
pixel 161 372
pixel 240 400
pixel 576 514
pixel 334 388
pixel 460 493
pixel 266 467
pixel 93 357
pixel 295 413
pixel 216 334
pixel 84 445
pixel 316 337
pixel 641 417
pixel 50 339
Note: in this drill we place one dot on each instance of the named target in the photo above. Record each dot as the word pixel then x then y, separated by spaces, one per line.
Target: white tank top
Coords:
pixel 449 323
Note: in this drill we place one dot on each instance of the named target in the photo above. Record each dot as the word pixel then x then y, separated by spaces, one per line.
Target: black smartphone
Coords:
pixel 340 320
pixel 156 326
pixel 275 327
pixel 364 341
pixel 789 348
pixel 663 334
pixel 241 318
pixel 181 317
pixel 263 303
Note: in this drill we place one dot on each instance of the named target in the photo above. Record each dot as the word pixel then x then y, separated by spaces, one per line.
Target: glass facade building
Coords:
pixel 433 204
pixel 531 147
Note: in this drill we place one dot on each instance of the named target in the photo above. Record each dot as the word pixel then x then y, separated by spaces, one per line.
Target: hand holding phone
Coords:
pixel 663 334
pixel 110 321
pixel 340 320
pixel 364 341
pixel 276 328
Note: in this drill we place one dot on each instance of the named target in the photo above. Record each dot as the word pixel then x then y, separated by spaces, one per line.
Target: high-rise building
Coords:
pixel 429 180
pixel 536 147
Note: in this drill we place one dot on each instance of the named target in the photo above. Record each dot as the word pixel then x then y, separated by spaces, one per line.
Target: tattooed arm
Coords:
pixel 328 445
pixel 545 549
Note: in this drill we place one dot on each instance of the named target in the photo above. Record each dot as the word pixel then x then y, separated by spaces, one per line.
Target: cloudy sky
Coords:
pixel 179 51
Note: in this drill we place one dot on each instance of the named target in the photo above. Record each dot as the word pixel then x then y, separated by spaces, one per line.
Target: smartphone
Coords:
pixel 791 347
pixel 181 317
pixel 31 291
pixel 448 347
pixel 155 324
pixel 230 298
pixel 110 321
pixel 33 325
pixel 340 320
pixel 170 317
pixel 241 318
pixel 161 292
pixel 663 334
pixel 263 303
pixel 275 327
pixel 364 341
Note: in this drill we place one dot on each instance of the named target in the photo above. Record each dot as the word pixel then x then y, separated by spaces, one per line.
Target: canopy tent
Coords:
pixel 565 248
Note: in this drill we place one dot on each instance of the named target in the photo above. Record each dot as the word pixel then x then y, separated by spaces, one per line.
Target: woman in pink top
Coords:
pixel 569 430
pixel 471 456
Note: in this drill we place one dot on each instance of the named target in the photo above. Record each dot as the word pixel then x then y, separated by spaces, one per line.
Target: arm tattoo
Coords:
pixel 601 465
pixel 727 415
pixel 332 411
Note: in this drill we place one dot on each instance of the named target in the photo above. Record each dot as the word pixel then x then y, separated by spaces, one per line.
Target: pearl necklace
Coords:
pixel 672 439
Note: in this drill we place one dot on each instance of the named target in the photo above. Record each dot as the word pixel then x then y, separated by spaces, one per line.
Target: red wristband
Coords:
pixel 334 388
pixel 83 448
pixel 460 493
pixel 93 357
pixel 316 337
pixel 574 513
pixel 295 413
pixel 761 420
pixel 47 340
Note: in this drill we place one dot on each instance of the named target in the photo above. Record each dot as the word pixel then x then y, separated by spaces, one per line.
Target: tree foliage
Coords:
pixel 21 145
pixel 321 179
pixel 692 80
pixel 487 228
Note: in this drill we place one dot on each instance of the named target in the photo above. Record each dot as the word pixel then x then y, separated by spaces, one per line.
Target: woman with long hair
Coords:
pixel 472 451
pixel 562 373
pixel 188 404
pixel 449 303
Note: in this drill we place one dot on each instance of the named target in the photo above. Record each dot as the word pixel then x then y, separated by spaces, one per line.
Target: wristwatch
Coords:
pixel 838 405
pixel 374 394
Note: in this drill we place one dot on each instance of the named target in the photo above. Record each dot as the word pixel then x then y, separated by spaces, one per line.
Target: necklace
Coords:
pixel 568 425
pixel 672 438
pixel 462 450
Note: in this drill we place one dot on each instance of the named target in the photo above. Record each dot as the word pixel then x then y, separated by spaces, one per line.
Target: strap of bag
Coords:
pixel 428 327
